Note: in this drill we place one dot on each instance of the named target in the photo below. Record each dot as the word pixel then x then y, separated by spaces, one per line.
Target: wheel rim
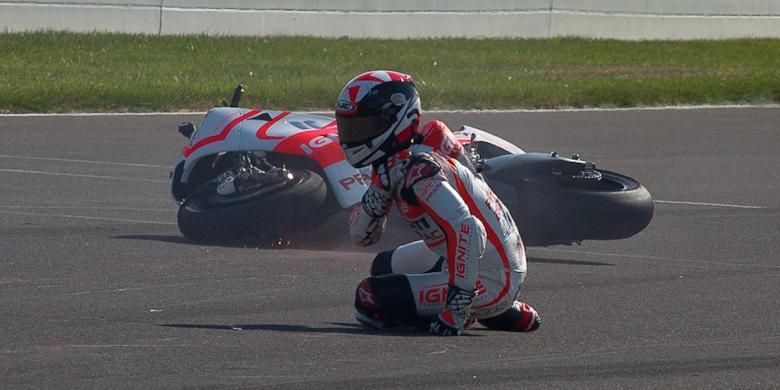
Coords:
pixel 609 182
pixel 214 200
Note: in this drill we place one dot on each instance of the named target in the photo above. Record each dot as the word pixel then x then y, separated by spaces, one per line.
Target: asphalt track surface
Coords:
pixel 99 290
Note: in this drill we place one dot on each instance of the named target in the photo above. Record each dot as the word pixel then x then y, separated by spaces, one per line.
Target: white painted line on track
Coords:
pixel 21 207
pixel 23 171
pixel 87 217
pixel 597 109
pixel 82 161
pixel 454 111
pixel 128 346
pixel 736 206
pixel 658 258
pixel 87 114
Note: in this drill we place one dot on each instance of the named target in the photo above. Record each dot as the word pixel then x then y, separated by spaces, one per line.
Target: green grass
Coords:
pixel 61 72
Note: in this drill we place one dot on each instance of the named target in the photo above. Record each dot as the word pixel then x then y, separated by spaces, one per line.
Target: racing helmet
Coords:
pixel 377 114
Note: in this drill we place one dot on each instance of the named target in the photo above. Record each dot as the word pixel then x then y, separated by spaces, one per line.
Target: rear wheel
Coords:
pixel 611 206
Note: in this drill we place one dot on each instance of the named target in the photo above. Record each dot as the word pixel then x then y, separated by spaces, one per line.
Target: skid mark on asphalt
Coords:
pixel 659 258
pixel 23 171
pixel 81 161
pixel 87 217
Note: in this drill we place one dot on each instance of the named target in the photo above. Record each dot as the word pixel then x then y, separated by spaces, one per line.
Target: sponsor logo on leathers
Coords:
pixel 438 293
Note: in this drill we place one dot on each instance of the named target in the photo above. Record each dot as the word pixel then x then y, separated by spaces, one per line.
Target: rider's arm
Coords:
pixel 428 187
pixel 367 221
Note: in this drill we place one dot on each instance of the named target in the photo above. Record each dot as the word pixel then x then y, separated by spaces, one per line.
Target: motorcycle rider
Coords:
pixel 470 263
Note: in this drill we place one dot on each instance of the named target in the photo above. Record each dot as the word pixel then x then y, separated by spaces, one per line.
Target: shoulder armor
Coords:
pixel 420 166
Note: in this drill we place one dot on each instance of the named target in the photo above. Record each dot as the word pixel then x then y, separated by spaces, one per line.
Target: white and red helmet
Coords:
pixel 377 114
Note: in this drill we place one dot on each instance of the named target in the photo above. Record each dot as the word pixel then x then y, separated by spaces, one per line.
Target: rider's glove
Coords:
pixel 376 202
pixel 444 324
pixel 364 229
pixel 451 321
pixel 367 221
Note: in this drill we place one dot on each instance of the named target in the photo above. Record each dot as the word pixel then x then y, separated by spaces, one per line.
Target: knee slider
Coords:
pixel 388 298
pixel 364 298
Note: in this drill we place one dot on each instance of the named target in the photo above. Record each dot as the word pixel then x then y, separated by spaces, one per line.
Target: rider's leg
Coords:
pixel 400 299
pixel 414 299
pixel 518 317
pixel 412 258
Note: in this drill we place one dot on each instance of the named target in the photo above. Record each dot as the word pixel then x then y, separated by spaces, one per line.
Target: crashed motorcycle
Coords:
pixel 261 175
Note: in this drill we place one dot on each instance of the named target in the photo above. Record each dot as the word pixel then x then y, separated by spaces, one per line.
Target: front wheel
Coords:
pixel 266 212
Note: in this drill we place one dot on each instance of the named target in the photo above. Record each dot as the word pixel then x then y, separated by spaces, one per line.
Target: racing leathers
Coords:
pixel 462 225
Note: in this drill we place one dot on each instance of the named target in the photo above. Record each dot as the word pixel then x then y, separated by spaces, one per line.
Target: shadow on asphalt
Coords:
pixel 155 237
pixel 339 327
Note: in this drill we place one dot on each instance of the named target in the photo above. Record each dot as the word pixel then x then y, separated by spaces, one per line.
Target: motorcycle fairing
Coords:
pixel 321 145
pixel 229 129
pixel 465 133
pixel 215 130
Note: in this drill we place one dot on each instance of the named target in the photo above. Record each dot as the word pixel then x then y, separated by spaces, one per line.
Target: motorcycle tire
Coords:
pixel 572 210
pixel 267 213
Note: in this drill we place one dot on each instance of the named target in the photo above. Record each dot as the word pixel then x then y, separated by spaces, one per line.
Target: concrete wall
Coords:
pixel 620 19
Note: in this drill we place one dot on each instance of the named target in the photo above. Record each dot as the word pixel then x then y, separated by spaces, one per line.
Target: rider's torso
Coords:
pixel 504 249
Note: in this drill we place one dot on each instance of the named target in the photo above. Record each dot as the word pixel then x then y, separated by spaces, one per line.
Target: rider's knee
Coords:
pixel 382 264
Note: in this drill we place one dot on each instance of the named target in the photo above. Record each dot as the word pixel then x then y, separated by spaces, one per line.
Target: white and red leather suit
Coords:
pixel 457 217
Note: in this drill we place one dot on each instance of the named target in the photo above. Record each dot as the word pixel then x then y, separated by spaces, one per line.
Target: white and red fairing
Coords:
pixel 229 129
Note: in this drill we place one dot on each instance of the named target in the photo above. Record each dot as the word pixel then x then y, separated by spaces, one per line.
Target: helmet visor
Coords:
pixel 359 129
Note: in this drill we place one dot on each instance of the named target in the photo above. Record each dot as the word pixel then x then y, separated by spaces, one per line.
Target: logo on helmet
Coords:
pixel 398 99
pixel 345 105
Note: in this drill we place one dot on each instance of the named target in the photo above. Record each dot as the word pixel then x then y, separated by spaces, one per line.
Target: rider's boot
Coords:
pixel 521 317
